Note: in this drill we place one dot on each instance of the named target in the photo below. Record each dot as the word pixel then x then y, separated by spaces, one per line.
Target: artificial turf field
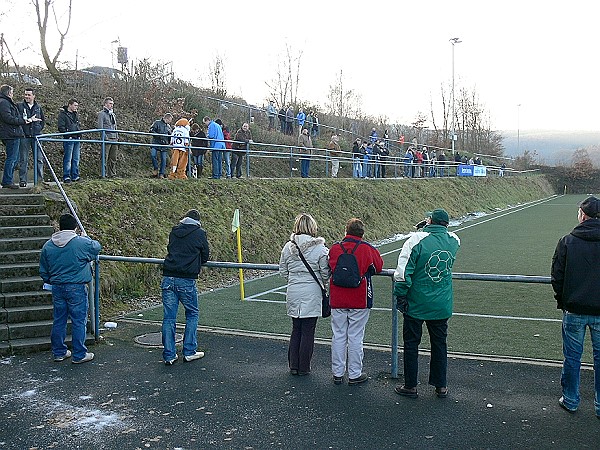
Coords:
pixel 492 318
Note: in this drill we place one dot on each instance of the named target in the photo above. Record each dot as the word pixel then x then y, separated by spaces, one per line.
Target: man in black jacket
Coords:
pixel 68 121
pixel 187 251
pixel 30 108
pixel 576 285
pixel 161 137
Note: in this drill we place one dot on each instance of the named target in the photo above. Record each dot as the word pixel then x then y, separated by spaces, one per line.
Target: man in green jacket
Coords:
pixel 423 292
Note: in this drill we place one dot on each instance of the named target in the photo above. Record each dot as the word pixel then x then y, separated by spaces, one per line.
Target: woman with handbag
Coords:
pixel 304 263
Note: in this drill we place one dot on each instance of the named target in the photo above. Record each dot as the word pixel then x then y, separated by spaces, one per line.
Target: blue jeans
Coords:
pixel 26 144
pixel 357 167
pixel 573 333
pixel 217 163
pixel 70 301
pixel 12 155
pixel 154 154
pixel 175 290
pixel 412 330
pixel 227 157
pixel 304 166
pixel 72 149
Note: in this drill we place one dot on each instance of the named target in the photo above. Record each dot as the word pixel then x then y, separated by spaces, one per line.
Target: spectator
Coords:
pixel 300 118
pixel 335 152
pixel 108 121
pixel 65 265
pixel 315 128
pixel 199 145
pixel 369 161
pixel 423 292
pixel 305 144
pixel 227 153
pixel 350 307
pixel 384 153
pixel 425 154
pixel 418 164
pixel 68 122
pixel 309 122
pixel 501 171
pixel 575 263
pixel 282 123
pixel 215 135
pixel 243 137
pixel 161 130
pixel 303 296
pixel 180 141
pixel 376 159
pixel 11 132
pixel 357 159
pixel 373 136
pixel 432 161
pixel 289 121
pixel 441 162
pixel 186 253
pixel 271 114
pixel 408 162
pixel 29 108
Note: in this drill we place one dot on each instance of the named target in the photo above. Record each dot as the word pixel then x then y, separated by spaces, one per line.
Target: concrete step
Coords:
pixel 39 328
pixel 25 314
pixel 20 257
pixel 14 197
pixel 24 220
pixel 19 210
pixel 38 344
pixel 23 232
pixel 25 269
pixel 27 243
pixel 19 299
pixel 21 284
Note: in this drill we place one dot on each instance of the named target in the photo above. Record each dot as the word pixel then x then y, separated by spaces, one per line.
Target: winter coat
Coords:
pixel 10 119
pixel 68 121
pixel 108 121
pixel 334 149
pixel 369 263
pixel 215 132
pixel 187 250
pixel 242 138
pixel 305 142
pixel 301 118
pixel 304 295
pixel 424 272
pixel 575 266
pixel 160 127
pixel 34 128
pixel 66 257
pixel 199 140
pixel 180 139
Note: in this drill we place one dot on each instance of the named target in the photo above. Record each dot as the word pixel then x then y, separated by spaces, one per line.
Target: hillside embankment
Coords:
pixel 133 217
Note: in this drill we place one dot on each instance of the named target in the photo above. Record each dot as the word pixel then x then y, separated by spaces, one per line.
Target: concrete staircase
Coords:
pixel 25 309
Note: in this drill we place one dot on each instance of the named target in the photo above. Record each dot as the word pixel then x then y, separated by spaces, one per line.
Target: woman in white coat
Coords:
pixel 303 293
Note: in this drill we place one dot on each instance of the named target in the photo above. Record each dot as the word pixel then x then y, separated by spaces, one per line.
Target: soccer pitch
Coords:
pixel 491 318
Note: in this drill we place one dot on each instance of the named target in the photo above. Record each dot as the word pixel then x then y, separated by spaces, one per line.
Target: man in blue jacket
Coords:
pixel 576 286
pixel 217 144
pixel 65 265
pixel 423 292
pixel 187 251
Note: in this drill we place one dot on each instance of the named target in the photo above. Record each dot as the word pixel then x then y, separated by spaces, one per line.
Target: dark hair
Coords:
pixel 5 89
pixel 67 222
pixel 355 227
pixel 219 121
pixel 193 214
pixel 72 100
pixel 30 89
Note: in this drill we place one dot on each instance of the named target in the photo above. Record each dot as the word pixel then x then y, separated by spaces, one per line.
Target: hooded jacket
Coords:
pixel 304 295
pixel 424 272
pixel 575 266
pixel 66 257
pixel 68 121
pixel 187 250
pixel 34 128
pixel 10 119
pixel 369 263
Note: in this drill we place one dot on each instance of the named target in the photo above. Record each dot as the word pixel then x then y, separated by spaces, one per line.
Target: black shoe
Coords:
pixel 561 402
pixel 67 181
pixel 361 379
pixel 294 371
pixel 23 184
pixel 10 186
pixel 301 373
pixel 441 392
pixel 338 380
pixel 406 392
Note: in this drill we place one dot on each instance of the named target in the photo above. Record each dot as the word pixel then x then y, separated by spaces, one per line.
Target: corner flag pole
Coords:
pixel 235 228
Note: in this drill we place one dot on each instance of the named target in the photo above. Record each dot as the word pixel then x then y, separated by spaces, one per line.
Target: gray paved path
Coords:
pixel 241 396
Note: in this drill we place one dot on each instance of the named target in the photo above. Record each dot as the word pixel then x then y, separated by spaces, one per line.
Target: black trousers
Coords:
pixel 302 343
pixel 237 159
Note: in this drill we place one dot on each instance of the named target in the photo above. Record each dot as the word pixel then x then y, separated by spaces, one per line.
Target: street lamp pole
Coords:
pixel 453 41
pixel 519 129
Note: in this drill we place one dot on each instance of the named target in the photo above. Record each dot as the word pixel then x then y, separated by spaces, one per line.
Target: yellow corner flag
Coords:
pixel 235 228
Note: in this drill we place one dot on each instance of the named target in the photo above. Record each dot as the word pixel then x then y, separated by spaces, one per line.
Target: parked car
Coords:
pixel 100 71
pixel 26 78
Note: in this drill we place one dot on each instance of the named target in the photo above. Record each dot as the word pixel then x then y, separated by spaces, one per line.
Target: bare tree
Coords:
pixel 42 10
pixel 283 88
pixel 344 104
pixel 217 77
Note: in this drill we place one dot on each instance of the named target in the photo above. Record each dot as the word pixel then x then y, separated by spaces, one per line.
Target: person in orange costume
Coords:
pixel 180 140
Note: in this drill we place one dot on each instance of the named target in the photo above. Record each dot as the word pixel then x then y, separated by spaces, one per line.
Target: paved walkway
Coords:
pixel 241 396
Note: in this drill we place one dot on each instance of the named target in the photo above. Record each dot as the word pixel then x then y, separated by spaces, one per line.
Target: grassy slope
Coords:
pixel 133 218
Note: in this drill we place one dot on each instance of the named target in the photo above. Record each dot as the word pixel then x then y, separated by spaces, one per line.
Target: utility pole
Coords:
pixel 453 41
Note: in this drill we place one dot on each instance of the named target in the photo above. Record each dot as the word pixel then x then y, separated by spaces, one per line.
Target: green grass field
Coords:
pixel 492 318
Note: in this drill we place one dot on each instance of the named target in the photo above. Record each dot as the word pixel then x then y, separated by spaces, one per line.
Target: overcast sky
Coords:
pixel 538 54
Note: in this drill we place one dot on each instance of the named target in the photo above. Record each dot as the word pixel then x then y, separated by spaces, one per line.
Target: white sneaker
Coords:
pixel 86 358
pixel 170 362
pixel 63 357
pixel 193 357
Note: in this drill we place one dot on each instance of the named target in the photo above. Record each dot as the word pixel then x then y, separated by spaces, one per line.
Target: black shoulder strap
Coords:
pixel 358 242
pixel 312 272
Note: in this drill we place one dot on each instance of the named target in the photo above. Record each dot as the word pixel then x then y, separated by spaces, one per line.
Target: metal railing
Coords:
pixel 274 267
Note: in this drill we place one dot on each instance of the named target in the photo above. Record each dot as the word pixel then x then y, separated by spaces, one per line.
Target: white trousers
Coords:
pixel 335 167
pixel 348 326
